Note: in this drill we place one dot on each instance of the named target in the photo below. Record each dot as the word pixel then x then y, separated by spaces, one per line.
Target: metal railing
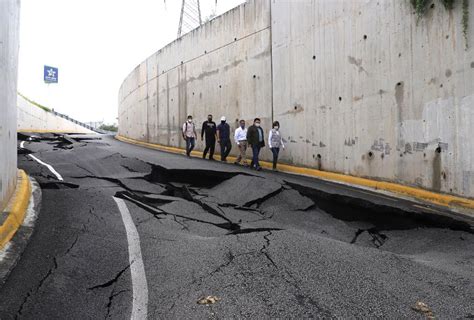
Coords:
pixel 79 123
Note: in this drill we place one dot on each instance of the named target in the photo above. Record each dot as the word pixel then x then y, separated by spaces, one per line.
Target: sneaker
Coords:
pixel 258 168
pixel 212 159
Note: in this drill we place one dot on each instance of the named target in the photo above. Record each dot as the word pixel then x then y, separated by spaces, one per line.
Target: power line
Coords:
pixel 190 17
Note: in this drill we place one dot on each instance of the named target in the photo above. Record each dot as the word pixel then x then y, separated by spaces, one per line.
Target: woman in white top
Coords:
pixel 275 142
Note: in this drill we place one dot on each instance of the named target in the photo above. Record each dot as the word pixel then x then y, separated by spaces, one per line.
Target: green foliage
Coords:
pixel 109 127
pixel 421 6
pixel 465 20
pixel 35 103
pixel 448 4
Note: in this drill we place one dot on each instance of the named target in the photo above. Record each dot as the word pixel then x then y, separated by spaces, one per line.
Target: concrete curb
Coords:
pixel 11 253
pixel 444 200
pixel 16 209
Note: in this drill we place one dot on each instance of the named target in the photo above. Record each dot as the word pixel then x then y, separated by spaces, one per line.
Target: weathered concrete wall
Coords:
pixel 9 44
pixel 33 118
pixel 382 93
pixel 223 68
pixel 358 87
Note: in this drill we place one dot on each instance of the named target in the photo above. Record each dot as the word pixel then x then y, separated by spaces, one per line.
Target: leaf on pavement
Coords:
pixel 423 308
pixel 208 300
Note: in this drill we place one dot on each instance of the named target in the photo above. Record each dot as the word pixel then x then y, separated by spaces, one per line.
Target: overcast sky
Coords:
pixel 95 44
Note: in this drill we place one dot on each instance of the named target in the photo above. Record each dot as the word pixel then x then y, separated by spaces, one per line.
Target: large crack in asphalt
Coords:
pixel 58 141
pixel 350 208
pixel 47 275
pixel 38 287
pixel 111 281
pixel 214 191
pixel 112 296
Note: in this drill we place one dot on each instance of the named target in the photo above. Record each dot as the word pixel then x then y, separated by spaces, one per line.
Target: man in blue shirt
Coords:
pixel 223 138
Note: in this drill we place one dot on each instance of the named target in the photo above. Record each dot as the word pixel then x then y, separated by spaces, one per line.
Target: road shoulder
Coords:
pixel 18 221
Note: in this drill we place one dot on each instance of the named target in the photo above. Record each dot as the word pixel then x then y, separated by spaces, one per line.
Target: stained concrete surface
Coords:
pixel 383 98
pixel 266 246
pixel 9 45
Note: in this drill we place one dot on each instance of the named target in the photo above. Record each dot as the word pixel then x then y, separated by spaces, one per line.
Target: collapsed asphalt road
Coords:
pixel 261 245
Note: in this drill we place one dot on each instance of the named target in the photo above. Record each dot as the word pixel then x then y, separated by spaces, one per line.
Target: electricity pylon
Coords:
pixel 190 17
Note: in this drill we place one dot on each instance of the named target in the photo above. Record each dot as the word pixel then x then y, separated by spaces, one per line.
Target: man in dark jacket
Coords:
pixel 255 138
pixel 209 128
pixel 223 137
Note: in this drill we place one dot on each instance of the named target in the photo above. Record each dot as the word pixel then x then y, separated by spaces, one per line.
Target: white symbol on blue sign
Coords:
pixel 50 74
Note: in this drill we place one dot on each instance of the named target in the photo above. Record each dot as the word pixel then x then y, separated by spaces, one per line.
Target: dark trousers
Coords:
pixel 190 143
pixel 275 152
pixel 226 146
pixel 255 153
pixel 210 147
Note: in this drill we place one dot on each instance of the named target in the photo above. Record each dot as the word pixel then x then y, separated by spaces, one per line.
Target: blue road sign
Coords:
pixel 50 74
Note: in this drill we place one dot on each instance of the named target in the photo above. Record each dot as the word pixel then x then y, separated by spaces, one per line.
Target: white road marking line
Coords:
pixel 137 269
pixel 22 145
pixel 47 166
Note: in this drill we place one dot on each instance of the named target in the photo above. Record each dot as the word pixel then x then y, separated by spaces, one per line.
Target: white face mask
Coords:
pixel 276 127
pixel 257 124
pixel 190 120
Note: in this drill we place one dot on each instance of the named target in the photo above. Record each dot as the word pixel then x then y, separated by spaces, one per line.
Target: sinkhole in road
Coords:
pixel 222 193
pixel 382 217
pixel 216 190
pixel 193 177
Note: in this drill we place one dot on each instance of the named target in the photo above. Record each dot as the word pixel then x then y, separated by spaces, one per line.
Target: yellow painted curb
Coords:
pixel 16 209
pixel 425 195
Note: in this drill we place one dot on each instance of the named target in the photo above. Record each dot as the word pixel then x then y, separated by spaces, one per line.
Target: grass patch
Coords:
pixel 35 103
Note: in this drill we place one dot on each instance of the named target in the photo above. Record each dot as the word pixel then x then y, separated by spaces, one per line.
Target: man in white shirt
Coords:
pixel 240 138
pixel 189 135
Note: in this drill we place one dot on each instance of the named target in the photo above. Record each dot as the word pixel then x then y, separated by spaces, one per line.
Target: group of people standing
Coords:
pixel 252 137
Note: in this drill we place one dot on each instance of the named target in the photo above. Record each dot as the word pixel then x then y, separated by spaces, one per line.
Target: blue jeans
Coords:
pixel 275 152
pixel 256 152
pixel 190 143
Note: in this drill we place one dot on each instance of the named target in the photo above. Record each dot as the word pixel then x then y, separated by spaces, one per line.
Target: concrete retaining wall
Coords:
pixel 9 43
pixel 223 68
pixel 32 118
pixel 358 87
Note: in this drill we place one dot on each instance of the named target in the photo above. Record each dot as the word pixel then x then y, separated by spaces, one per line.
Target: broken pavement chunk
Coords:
pixel 208 300
pixel 141 185
pixel 290 200
pixel 243 190
pixel 160 199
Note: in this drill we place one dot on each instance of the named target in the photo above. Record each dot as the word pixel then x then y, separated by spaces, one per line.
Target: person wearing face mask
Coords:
pixel 209 128
pixel 240 137
pixel 275 142
pixel 223 137
pixel 256 140
pixel 189 134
